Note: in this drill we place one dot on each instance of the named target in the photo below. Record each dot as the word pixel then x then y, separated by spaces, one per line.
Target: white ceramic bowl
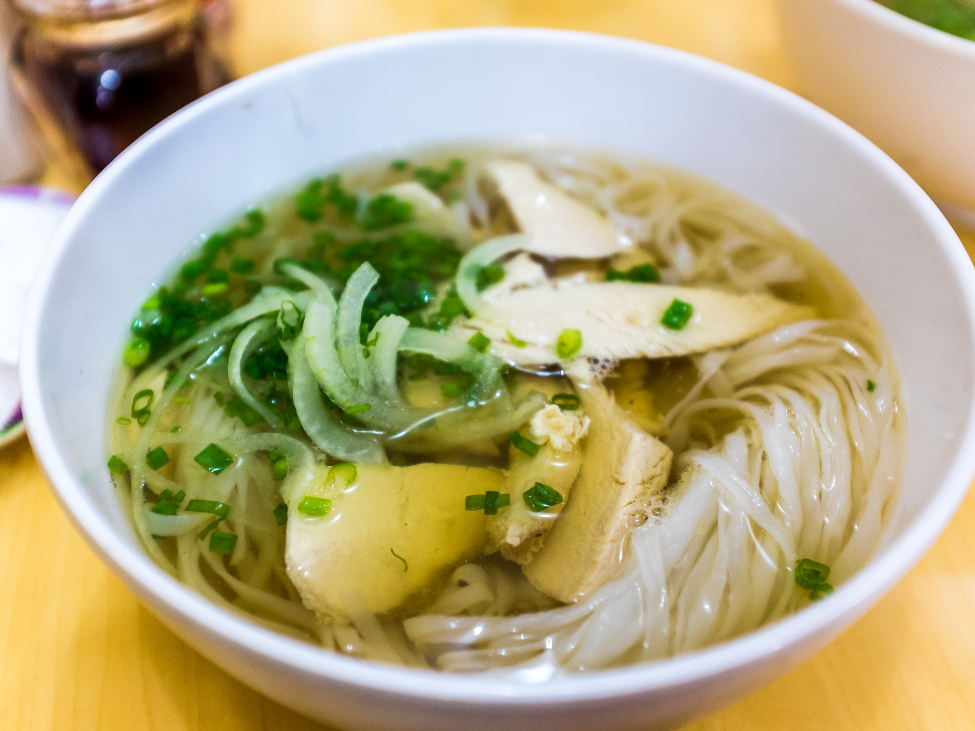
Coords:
pixel 289 122
pixel 906 86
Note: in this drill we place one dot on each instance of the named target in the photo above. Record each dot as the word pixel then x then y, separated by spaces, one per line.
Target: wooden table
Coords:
pixel 78 652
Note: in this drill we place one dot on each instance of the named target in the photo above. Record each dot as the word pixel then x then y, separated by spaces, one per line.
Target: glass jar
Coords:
pixel 97 74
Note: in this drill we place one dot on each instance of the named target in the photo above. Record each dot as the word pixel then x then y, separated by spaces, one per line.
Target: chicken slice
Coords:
pixel 561 226
pixel 623 320
pixel 344 562
pixel 623 469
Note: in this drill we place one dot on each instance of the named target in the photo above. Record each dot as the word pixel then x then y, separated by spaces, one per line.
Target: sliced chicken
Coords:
pixel 517 531
pixel 623 469
pixel 623 320
pixel 561 226
pixel 389 539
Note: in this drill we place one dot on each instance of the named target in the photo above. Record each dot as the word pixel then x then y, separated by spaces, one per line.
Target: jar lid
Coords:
pixel 30 216
pixel 86 9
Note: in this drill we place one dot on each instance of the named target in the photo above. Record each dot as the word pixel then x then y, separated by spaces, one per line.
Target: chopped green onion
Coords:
pixel 820 592
pixel 810 574
pixel 489 274
pixel 214 459
pixel 677 315
pixel 489 502
pixel 178 497
pixel 386 210
pixel 123 420
pixel 224 543
pixel 569 343
pixel 116 465
pixel 165 506
pixel 181 400
pixel 290 320
pixel 541 496
pixel 641 273
pixel 281 514
pixel 525 444
pixel 399 165
pixel 451 390
pixel 474 502
pixel 345 471
pixel 357 409
pixel 515 341
pixel 446 369
pixel 566 401
pixel 142 405
pixel 280 468
pixel 136 352
pixel 217 275
pixel 406 566
pixel 174 430
pixel 479 341
pixel 209 527
pixel 208 506
pixel 157 457
pixel 311 505
pixel 209 290
pixel 871 386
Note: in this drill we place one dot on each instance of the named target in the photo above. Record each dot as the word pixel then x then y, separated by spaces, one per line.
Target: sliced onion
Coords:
pixel 470 267
pixel 347 342
pixel 315 283
pixel 319 335
pixel 174 525
pixel 388 333
pixel 484 366
pixel 245 344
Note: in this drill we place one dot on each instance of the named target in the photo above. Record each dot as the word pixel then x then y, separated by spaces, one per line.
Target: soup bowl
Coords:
pixel 903 84
pixel 383 97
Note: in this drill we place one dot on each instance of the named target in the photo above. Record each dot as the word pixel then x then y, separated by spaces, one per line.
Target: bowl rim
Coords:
pixel 154 586
pixel 880 14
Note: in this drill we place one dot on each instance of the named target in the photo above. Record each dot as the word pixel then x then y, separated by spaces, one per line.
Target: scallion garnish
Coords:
pixel 516 341
pixel 142 405
pixel 812 575
pixel 281 514
pixel 479 341
pixel 117 466
pixel 525 444
pixel 317 506
pixel 474 502
pixel 214 459
pixel 240 265
pixel 641 273
pixel 489 274
pixel 123 420
pixel 399 165
pixel 406 566
pixel 345 471
pixel 136 352
pixel 224 543
pixel 566 401
pixel 541 496
pixel 820 592
pixel 357 409
pixel 569 343
pixel 871 386
pixel 157 457
pixel 290 320
pixel 678 314
pixel 489 502
pixel 280 465
pixel 209 290
pixel 208 506
pixel 174 430
pixel 181 400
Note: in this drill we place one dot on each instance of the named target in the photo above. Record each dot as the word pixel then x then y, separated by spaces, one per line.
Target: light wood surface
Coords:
pixel 77 651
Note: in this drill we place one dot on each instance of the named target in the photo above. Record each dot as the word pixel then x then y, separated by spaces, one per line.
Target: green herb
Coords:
pixel 406 566
pixel 157 457
pixel 142 405
pixel 208 506
pixel 566 401
pixel 181 400
pixel 569 343
pixel 489 502
pixel 399 165
pixel 239 265
pixel 214 459
pixel 165 507
pixel 235 407
pixel 677 315
pixel 212 289
pixel 217 276
pixel 123 420
pixel 523 443
pixel 311 505
pixel 479 341
pixel 541 496
pixel 515 341
pixel 253 225
pixel 433 179
pixel 640 273
pixel 345 471
pixel 136 352
pixel 269 361
pixel 174 430
pixel 451 307
pixel 386 210
pixel 117 466
pixel 280 465
pixel 209 527
pixel 224 543
pixel 871 386
pixel 290 320
pixel 358 409
pixel 455 389
pixel 810 574
pixel 489 274
pixel 312 199
pixel 281 514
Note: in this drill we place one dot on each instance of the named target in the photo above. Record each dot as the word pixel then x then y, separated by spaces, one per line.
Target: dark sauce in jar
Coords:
pixel 105 96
